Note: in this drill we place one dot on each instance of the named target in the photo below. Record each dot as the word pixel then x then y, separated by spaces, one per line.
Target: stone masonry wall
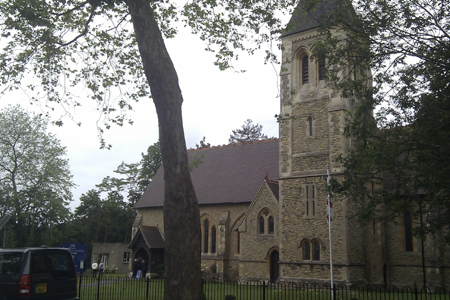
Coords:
pixel 115 255
pixel 152 217
pixel 256 247
pixel 297 227
pixel 305 152
pixel 316 143
pixel 405 268
pixel 225 262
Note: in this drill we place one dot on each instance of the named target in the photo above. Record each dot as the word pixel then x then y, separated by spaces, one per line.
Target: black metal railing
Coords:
pixel 124 288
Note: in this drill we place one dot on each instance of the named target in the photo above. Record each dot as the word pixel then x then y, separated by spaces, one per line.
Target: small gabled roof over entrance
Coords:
pixel 150 235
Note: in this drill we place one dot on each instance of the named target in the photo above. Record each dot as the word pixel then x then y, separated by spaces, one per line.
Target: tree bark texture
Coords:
pixel 181 214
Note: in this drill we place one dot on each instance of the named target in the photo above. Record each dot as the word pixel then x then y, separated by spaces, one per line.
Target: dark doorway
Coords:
pixel 157 262
pixel 274 266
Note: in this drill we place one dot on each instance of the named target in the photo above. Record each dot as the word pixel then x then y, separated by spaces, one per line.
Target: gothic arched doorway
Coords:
pixel 148 247
pixel 274 266
pixel 141 254
pixel 141 262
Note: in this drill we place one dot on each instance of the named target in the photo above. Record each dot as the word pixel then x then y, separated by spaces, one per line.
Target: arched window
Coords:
pixel 310 200
pixel 213 239
pixel 305 69
pixel 261 225
pixel 205 236
pixel 310 125
pixel 306 251
pixel 407 220
pixel 271 225
pixel 238 243
pixel 266 222
pixel 316 250
pixel 321 67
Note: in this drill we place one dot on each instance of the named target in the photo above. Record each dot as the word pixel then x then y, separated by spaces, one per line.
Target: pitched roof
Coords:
pixel 228 174
pixel 151 235
pixel 310 14
pixel 273 187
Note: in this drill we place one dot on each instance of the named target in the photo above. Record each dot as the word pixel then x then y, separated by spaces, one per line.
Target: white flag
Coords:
pixel 329 199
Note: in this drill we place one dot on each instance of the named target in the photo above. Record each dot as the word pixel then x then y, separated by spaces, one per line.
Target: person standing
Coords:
pixel 94 269
pixel 144 268
pixel 135 267
pixel 101 266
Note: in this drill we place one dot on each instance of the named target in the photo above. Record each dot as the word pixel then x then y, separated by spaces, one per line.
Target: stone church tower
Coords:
pixel 311 137
pixel 263 203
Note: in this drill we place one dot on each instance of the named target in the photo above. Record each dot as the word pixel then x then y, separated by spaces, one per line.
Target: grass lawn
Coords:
pixel 120 288
pixel 124 288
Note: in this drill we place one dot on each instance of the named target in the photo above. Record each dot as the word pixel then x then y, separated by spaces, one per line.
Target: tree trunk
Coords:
pixel 181 213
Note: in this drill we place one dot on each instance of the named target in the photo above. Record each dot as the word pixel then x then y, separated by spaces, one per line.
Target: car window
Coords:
pixel 56 262
pixel 40 263
pixel 10 263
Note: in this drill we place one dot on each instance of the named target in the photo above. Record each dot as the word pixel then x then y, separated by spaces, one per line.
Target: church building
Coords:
pixel 263 203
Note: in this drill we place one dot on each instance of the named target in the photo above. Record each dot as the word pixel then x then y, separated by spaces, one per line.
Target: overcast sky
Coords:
pixel 215 103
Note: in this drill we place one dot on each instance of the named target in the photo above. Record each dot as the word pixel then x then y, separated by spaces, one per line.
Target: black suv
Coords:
pixel 37 273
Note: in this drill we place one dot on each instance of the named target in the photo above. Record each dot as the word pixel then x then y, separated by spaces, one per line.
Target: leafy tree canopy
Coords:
pixel 65 46
pixel 134 177
pixel 113 51
pixel 35 179
pixel 203 144
pixel 100 219
pixel 398 161
pixel 247 132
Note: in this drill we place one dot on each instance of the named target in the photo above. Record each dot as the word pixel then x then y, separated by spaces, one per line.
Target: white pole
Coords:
pixel 331 262
pixel 330 219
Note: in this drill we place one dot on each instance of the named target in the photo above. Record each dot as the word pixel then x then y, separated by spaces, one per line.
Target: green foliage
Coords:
pixel 229 25
pixel 158 268
pixel 398 161
pixel 135 177
pixel 103 220
pixel 203 144
pixel 90 46
pixel 111 269
pixel 64 46
pixel 196 162
pixel 247 132
pixel 34 177
pixel 151 161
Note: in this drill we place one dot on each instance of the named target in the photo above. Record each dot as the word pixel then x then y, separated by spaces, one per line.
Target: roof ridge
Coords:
pixel 235 144
pixel 148 226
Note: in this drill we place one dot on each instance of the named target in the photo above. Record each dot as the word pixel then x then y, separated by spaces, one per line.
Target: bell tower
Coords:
pixel 313 117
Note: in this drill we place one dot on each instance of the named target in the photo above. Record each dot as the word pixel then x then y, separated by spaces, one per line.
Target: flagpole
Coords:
pixel 329 220
pixel 331 262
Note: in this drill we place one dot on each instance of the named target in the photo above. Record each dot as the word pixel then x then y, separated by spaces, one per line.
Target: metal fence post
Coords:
pixel 334 291
pixel 148 284
pixel 80 279
pixel 98 287
pixel 264 290
pixel 415 291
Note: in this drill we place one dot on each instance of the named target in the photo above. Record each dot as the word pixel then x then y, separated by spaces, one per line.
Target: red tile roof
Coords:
pixel 229 174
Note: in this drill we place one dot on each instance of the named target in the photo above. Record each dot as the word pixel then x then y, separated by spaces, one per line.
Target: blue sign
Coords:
pixel 79 254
